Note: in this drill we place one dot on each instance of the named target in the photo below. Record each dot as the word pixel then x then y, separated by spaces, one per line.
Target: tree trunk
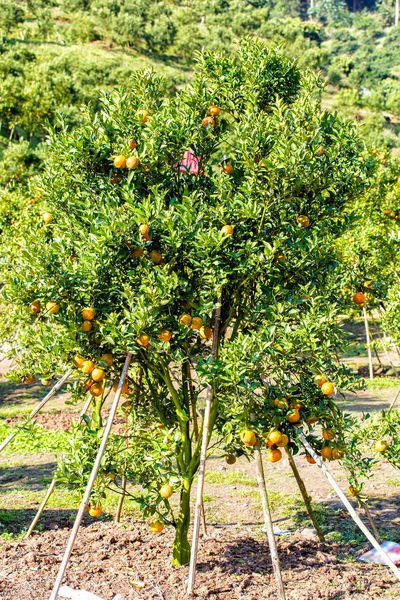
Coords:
pixel 181 546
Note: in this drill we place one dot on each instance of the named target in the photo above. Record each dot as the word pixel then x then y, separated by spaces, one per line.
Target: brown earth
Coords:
pixel 233 564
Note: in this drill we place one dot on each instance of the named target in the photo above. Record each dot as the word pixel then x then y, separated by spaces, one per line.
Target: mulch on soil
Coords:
pixel 130 560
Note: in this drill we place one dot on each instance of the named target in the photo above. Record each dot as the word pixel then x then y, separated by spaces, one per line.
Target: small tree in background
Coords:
pixel 160 218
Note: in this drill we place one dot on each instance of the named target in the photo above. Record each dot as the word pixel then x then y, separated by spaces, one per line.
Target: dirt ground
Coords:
pixel 234 560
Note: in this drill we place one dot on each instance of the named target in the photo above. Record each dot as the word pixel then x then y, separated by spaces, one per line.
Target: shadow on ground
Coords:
pixel 17 521
pixel 26 477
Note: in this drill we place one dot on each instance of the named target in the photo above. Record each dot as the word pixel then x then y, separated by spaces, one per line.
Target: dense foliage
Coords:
pixel 161 224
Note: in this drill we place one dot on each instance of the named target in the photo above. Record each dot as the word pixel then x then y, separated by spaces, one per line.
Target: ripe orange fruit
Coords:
pixel 132 162
pixel 196 323
pixel 303 221
pixel 393 215
pixel 108 359
pixel 165 335
pixel 312 420
pixel 47 217
pixel 52 307
pixel 96 389
pixel 386 211
pixel 326 452
pixel 95 511
pixel 143 339
pixel 294 416
pixel 143 115
pixel 337 453
pixel 29 379
pixel 208 122
pixel 274 436
pixel 228 169
pixel 214 110
pixel 319 380
pixel 381 446
pixel 353 491
pixel 310 459
pixel 281 403
pixel 327 388
pixel 87 326
pixel 87 366
pixel 120 161
pixel 248 437
pixel 284 441
pixel 78 360
pixel 227 230
pixel 137 252
pixel 156 257
pixel 144 229
pixel 206 333
pixel 88 314
pixel 185 319
pixel 359 298
pixel 166 491
pixel 230 459
pixel 35 307
pixel 156 526
pixel 281 258
pixel 132 144
pixel 98 374
pixel 274 455
pixel 320 151
pixel 88 384
pixel 328 435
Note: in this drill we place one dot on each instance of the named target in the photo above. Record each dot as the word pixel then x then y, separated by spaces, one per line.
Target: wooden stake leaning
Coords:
pixel 371 370
pixel 41 509
pixel 51 486
pixel 306 497
pixel 86 496
pixel 268 522
pixel 349 507
pixel 203 455
pixel 39 407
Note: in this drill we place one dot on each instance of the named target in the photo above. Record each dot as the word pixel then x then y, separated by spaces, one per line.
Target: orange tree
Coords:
pixel 155 213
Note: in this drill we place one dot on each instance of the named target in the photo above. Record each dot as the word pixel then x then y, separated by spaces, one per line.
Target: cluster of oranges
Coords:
pixel 381 157
pixel 390 213
pixel 196 323
pixel 131 162
pixel 211 120
pixel 97 374
pixel 51 307
pixel 88 316
pixel 155 255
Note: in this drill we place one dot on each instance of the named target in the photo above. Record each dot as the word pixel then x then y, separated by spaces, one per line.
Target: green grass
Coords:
pixel 382 382
pixel 230 478
pixel 34 439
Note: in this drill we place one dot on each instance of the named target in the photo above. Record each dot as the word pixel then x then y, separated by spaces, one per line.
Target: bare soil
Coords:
pixel 233 564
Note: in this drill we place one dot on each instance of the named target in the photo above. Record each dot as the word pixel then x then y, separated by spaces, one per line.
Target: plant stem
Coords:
pixel 181 546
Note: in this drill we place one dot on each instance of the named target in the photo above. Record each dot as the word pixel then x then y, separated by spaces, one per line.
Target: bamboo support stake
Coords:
pixel 203 455
pixel 349 507
pixel 304 493
pixel 41 509
pixel 371 370
pixel 86 496
pixel 393 402
pixel 39 407
pixel 52 485
pixel 268 522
